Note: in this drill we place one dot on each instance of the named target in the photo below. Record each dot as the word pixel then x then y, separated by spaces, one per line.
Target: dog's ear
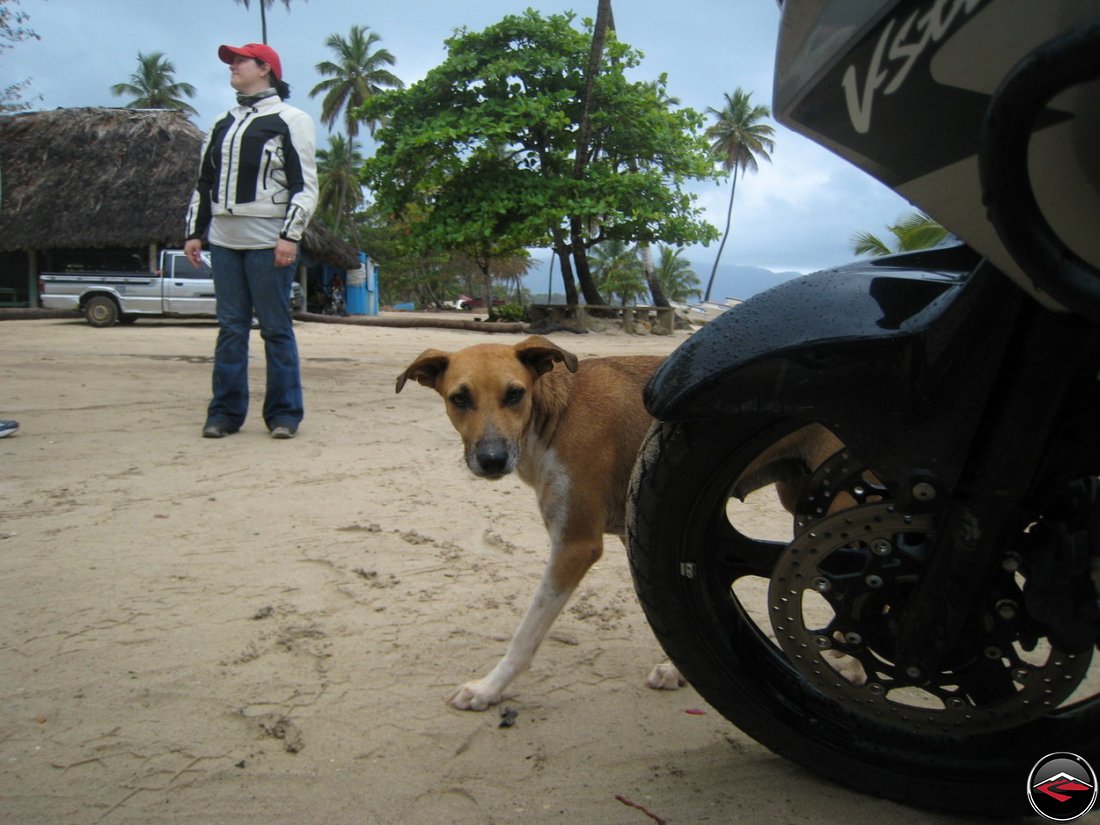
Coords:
pixel 426 369
pixel 541 355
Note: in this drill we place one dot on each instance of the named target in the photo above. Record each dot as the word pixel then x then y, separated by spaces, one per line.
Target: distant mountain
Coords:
pixel 741 282
pixel 731 281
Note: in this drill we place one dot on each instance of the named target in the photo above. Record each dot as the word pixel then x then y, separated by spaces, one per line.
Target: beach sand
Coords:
pixel 256 631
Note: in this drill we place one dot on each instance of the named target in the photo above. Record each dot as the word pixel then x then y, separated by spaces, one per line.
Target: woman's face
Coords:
pixel 247 76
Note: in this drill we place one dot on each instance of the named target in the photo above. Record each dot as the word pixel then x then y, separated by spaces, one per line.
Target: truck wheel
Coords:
pixel 101 311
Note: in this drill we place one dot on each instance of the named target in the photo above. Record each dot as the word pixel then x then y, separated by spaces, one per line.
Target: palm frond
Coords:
pixel 867 243
pixel 353 77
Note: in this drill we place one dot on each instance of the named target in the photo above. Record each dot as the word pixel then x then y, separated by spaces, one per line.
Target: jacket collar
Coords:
pixel 261 105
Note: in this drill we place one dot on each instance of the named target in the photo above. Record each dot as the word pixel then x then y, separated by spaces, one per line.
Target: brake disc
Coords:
pixel 843 479
pixel 835 600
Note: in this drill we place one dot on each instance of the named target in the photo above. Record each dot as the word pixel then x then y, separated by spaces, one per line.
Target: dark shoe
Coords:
pixel 284 431
pixel 8 428
pixel 215 430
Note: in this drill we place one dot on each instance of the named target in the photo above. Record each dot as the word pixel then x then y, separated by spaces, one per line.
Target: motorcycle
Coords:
pixel 924 628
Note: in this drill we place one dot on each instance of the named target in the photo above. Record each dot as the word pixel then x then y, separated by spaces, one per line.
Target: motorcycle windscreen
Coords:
pixel 900 90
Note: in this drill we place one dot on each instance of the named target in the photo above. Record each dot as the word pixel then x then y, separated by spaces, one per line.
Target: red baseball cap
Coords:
pixel 259 51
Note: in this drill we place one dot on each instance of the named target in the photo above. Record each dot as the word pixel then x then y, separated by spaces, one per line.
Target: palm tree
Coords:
pixel 645 253
pixel 357 75
pixel 649 272
pixel 915 231
pixel 677 278
pixel 738 141
pixel 617 270
pixel 154 86
pixel 605 24
pixel 339 193
pixel 264 6
pixel 658 88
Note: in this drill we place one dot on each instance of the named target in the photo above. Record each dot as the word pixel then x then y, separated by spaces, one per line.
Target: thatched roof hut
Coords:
pixel 100 179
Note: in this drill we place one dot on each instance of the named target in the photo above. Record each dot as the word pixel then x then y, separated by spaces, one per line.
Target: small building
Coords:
pixel 105 189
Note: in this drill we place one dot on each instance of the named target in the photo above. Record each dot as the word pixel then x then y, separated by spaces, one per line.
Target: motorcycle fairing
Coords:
pixel 899 88
pixel 892 355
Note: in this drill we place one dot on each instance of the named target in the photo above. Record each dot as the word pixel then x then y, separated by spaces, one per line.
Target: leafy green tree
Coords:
pixel 264 6
pixel 484 149
pixel 617 270
pixel 915 231
pixel 678 280
pixel 410 274
pixel 14 29
pixel 433 276
pixel 357 75
pixel 154 86
pixel 339 191
pixel 507 274
pixel 739 142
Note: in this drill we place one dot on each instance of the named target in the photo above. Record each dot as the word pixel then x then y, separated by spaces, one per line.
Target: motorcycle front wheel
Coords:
pixel 785 624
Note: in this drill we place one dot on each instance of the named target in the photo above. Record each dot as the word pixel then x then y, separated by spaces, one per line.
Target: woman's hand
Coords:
pixel 286 252
pixel 192 249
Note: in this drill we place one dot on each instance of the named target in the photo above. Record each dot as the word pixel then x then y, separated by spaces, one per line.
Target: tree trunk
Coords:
pixel 263 23
pixel 726 234
pixel 592 295
pixel 655 289
pixel 604 21
pixel 487 289
pixel 570 285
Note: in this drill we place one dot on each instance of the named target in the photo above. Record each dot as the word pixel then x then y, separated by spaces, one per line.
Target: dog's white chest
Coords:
pixel 540 467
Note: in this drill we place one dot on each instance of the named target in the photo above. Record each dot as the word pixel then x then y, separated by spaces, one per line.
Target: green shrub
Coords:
pixel 509 312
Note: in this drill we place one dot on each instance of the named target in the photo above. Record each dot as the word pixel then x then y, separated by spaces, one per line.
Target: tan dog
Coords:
pixel 573 434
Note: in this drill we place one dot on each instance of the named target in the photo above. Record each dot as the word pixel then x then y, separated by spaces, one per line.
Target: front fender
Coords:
pixel 897 351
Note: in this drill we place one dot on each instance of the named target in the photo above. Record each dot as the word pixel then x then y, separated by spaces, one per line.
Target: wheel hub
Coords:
pixel 835 599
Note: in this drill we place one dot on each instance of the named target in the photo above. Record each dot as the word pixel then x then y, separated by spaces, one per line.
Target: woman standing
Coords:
pixel 256 192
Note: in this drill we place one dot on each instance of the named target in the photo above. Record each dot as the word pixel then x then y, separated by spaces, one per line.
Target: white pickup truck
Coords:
pixel 107 298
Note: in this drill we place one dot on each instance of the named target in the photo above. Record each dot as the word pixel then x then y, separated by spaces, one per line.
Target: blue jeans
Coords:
pixel 247 280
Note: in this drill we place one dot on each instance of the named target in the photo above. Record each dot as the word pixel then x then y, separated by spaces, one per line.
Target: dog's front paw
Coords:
pixel 475 696
pixel 665 676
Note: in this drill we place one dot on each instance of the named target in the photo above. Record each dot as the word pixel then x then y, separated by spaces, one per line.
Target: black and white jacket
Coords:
pixel 257 161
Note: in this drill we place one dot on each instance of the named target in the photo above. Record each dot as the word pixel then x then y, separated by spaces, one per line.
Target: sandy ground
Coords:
pixel 260 631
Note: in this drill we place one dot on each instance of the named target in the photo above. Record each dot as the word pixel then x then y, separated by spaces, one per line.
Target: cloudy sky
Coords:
pixel 797 214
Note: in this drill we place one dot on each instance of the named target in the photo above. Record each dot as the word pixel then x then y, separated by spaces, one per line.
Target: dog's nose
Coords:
pixel 492 457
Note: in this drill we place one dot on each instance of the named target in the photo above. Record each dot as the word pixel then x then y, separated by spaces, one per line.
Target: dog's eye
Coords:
pixel 460 400
pixel 514 396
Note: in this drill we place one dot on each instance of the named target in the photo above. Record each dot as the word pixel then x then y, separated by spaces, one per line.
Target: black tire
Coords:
pixel 688 557
pixel 101 311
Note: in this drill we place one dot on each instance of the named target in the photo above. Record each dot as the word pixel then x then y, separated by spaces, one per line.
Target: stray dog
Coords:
pixel 573 434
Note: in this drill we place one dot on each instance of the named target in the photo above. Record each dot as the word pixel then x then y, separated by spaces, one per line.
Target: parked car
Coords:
pixel 466 302
pixel 105 298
